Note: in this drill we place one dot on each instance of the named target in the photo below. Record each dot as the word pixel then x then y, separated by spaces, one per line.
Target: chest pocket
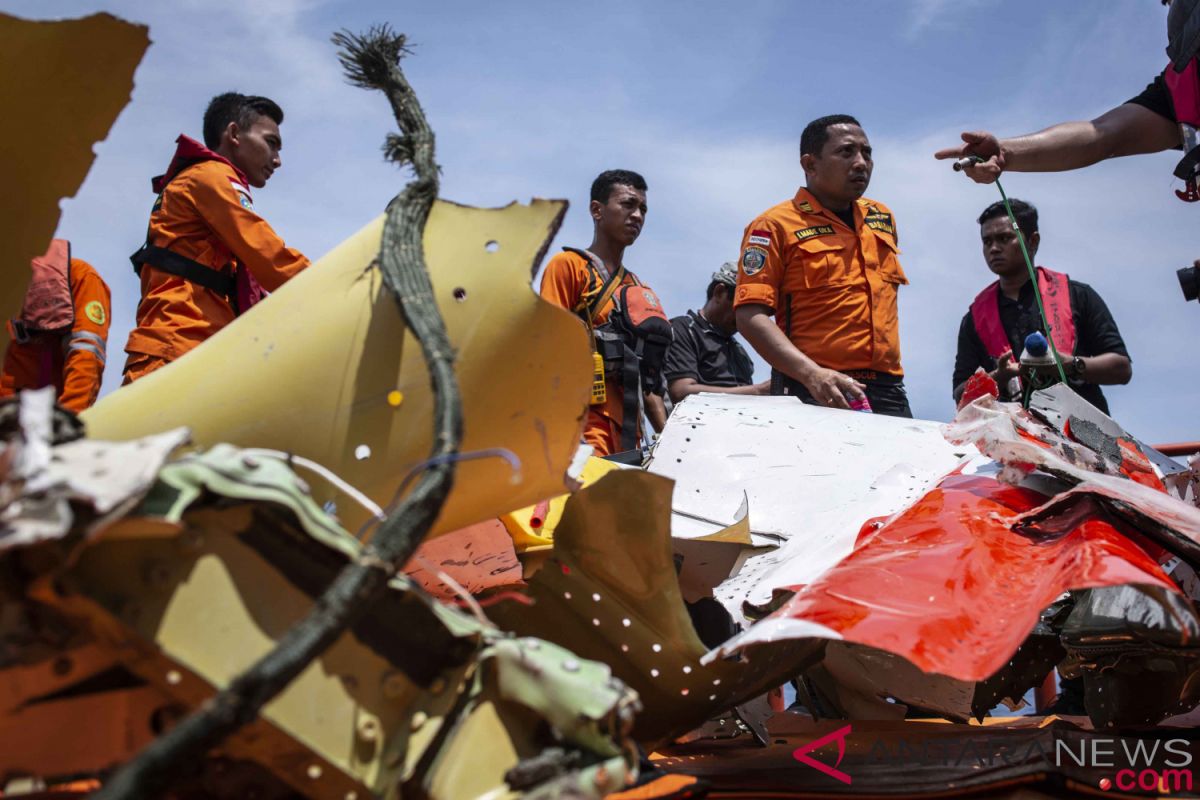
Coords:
pixel 889 264
pixel 818 262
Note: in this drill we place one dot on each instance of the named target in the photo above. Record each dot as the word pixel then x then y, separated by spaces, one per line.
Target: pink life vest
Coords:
pixel 48 305
pixel 1185 93
pixel 1056 298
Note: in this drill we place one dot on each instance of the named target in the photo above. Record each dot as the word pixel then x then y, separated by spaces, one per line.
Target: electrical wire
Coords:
pixel 1037 291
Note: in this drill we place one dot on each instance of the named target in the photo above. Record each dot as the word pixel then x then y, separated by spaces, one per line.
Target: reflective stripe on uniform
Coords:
pixel 94 337
pixel 88 348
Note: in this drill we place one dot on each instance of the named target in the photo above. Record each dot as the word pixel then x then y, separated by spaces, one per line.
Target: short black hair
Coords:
pixel 603 185
pixel 240 108
pixel 816 133
pixel 1026 214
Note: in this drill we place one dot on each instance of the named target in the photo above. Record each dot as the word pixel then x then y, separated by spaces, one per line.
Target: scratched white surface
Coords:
pixel 813 477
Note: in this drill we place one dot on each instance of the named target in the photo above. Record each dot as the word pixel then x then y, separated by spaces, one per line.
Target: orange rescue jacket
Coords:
pixel 570 283
pixel 833 290
pixel 204 213
pixel 61 338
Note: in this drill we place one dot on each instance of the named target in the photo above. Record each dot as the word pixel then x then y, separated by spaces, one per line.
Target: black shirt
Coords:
pixel 1157 98
pixel 704 353
pixel 1095 334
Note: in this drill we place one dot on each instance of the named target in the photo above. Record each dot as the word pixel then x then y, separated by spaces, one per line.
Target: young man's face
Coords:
pixel 1002 250
pixel 841 172
pixel 255 150
pixel 723 315
pixel 622 217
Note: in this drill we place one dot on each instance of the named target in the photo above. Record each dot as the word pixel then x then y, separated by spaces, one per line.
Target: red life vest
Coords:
pixel 243 291
pixel 48 306
pixel 1056 298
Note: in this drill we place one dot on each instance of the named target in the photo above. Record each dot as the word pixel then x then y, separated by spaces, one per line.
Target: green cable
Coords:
pixel 1037 291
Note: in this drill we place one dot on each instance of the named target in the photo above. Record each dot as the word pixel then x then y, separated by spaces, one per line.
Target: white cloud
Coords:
pixel 924 15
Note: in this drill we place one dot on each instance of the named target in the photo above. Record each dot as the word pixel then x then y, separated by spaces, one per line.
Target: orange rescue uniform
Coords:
pixel 570 283
pixel 205 214
pixel 832 289
pixel 71 361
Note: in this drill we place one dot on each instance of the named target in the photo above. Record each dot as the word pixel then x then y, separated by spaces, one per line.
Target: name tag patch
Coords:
pixel 879 221
pixel 815 230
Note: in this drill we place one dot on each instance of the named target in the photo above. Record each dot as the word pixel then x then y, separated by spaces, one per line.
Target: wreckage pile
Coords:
pixel 561 609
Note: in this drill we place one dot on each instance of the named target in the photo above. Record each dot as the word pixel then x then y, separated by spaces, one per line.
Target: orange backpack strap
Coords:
pixel 610 283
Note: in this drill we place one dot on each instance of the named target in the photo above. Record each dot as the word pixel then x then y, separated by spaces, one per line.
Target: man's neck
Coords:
pixel 609 252
pixel 707 312
pixel 1010 285
pixel 835 206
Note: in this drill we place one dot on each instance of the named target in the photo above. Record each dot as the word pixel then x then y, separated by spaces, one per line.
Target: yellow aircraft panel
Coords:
pixel 62 85
pixel 326 369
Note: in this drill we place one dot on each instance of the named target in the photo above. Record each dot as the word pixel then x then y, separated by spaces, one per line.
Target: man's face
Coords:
pixel 841 172
pixel 255 150
pixel 723 315
pixel 622 217
pixel 1001 248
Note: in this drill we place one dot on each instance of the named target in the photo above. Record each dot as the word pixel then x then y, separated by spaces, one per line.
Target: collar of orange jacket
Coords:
pixel 188 152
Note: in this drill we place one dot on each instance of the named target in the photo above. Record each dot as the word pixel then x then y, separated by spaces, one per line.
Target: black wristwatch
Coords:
pixel 1078 367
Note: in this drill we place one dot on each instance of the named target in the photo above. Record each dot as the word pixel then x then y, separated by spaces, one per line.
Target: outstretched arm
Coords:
pixel 1126 130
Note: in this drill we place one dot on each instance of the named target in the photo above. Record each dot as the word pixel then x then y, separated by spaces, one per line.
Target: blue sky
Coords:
pixel 707 101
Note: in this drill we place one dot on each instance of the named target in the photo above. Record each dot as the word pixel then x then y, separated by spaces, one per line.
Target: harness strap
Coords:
pixel 631 379
pixel 611 282
pixel 183 267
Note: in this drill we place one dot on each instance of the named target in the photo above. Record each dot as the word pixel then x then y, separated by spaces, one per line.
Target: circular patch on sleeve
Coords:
pixel 95 312
pixel 753 260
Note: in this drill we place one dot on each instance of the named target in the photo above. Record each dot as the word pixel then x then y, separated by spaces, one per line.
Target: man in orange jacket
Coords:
pixel 208 256
pixel 824 264
pixel 572 281
pixel 60 338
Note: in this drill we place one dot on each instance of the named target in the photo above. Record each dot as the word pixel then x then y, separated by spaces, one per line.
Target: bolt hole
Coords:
pixel 492 246
pixel 460 293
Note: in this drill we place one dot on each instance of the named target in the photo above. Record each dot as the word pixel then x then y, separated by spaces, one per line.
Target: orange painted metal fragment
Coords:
pixel 951 587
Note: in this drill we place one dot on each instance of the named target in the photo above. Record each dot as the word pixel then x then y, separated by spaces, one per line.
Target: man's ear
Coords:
pixel 1035 239
pixel 808 162
pixel 232 133
pixel 594 209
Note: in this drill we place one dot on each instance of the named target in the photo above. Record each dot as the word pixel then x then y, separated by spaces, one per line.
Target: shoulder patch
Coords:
pixel 95 312
pixel 245 201
pixel 815 230
pixel 753 260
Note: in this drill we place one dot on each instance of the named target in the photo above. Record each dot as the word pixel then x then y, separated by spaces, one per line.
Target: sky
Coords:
pixel 707 101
